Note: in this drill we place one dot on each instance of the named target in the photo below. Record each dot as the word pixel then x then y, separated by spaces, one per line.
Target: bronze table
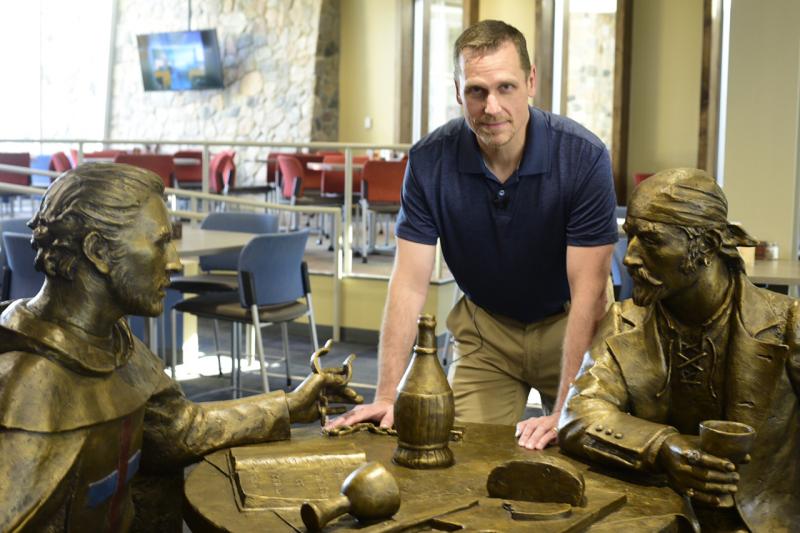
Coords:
pixel 214 500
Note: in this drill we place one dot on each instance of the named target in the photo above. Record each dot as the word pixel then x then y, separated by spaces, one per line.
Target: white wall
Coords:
pixel 762 121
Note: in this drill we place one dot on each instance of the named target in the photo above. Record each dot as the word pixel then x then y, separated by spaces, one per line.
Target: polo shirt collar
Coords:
pixel 535 157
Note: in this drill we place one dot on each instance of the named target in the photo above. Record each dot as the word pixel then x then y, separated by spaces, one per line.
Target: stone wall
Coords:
pixel 325 125
pixel 269 56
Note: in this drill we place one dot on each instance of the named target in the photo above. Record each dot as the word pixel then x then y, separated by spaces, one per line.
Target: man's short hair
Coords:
pixel 101 197
pixel 487 36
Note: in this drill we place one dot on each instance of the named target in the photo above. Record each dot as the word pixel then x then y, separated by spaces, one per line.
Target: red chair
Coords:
pixel 222 173
pixel 381 188
pixel 312 179
pixel 59 162
pixel 163 165
pixel 19 159
pixel 292 178
pixel 104 154
pixel 190 175
pixel 293 191
pixel 333 180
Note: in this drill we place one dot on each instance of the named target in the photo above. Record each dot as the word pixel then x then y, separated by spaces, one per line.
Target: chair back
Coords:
pixel 333 180
pixel 619 273
pixel 20 159
pixel 271 269
pixel 25 279
pixel 312 179
pixel 383 181
pixel 241 222
pixel 223 173
pixel 60 162
pixel 291 168
pixel 188 173
pixel 162 165
pixel 40 162
pixel 12 225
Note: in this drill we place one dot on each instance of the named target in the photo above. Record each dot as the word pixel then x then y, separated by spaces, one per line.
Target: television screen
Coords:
pixel 180 61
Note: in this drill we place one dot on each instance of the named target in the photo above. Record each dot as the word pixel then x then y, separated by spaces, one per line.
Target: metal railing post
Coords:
pixel 336 319
pixel 348 211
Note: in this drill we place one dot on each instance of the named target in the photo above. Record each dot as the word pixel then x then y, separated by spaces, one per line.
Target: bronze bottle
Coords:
pixel 424 409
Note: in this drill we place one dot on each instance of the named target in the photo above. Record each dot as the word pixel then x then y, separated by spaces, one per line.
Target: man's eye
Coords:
pixel 506 87
pixel 474 91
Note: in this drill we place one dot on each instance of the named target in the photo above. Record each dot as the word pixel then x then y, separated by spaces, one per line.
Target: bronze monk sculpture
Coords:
pixel 698 341
pixel 89 422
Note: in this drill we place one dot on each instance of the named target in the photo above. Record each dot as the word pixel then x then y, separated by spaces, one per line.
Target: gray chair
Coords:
pixel 273 289
pixel 218 270
pixel 25 280
pixel 623 283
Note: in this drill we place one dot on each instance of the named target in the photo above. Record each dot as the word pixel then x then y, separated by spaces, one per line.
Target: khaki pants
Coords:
pixel 496 361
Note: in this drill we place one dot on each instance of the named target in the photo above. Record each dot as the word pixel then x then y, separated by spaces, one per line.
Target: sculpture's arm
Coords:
pixel 595 423
pixel 178 432
pixel 37 484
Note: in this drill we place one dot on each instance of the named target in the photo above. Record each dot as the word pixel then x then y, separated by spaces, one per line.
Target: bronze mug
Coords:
pixel 727 440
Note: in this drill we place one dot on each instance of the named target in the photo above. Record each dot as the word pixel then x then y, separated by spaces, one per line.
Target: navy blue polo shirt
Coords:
pixel 506 243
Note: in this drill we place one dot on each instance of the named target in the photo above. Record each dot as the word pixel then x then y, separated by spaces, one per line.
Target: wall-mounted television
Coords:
pixel 180 61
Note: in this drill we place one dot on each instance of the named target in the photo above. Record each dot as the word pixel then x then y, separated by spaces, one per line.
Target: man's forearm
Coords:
pixel 585 312
pixel 398 331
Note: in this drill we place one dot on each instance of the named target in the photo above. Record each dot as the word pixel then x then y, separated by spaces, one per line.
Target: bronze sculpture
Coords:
pixel 698 341
pixel 89 422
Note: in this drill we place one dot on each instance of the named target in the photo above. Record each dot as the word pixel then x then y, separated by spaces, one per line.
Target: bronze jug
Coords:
pixel 424 408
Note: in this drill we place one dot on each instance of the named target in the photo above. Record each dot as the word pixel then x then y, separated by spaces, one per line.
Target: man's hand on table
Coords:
pixel 699 475
pixel 536 433
pixel 380 411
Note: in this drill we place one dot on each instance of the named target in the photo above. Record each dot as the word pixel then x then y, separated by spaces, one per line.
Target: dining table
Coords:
pixel 262 487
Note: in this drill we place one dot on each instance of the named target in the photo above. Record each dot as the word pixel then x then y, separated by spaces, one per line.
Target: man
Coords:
pixel 697 342
pixel 523 203
pixel 85 408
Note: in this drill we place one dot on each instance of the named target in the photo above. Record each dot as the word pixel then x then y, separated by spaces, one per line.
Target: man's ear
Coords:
pixel 458 93
pixel 95 248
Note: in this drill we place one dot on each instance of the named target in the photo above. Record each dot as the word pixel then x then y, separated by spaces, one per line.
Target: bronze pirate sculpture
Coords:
pixel 698 341
pixel 89 422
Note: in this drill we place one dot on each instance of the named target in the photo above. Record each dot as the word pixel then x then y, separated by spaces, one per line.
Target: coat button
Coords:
pixel 618 436
pixel 609 431
pixel 598 428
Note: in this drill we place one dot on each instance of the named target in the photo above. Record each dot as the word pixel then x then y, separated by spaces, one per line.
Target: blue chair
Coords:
pixel 224 265
pixel 41 162
pixel 13 225
pixel 619 273
pixel 273 289
pixel 258 223
pixel 25 280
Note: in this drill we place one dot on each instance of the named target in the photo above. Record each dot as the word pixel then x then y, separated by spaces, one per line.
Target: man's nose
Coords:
pixel 492 105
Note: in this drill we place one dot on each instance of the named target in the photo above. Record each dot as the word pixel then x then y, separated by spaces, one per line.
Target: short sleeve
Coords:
pixel 414 221
pixel 592 220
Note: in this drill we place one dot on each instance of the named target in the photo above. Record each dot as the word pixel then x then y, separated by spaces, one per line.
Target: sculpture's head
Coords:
pixel 677 226
pixel 108 222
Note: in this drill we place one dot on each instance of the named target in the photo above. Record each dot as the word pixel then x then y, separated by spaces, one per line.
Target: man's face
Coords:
pixel 493 92
pixel 146 257
pixel 656 260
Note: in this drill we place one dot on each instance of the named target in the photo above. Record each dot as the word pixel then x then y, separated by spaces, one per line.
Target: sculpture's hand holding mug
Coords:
pixel 705 469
